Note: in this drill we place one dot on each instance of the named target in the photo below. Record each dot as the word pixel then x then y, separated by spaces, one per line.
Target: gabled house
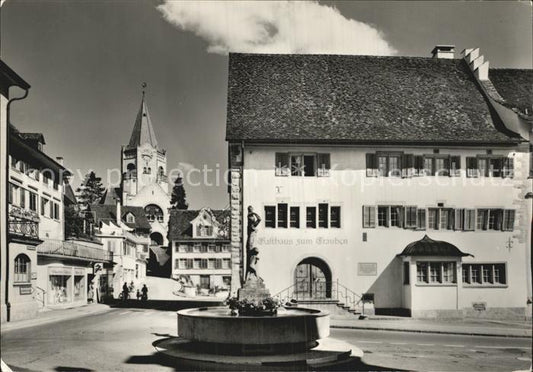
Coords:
pixel 200 249
pixel 351 161
pixel 124 232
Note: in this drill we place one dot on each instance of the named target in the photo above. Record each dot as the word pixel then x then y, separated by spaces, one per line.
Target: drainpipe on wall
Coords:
pixel 8 117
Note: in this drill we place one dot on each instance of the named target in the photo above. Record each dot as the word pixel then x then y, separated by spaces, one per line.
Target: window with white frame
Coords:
pixel 369 216
pixel 22 269
pixel 484 274
pixel 436 272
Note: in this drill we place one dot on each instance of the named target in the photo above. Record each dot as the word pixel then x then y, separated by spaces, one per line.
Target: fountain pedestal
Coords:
pixel 254 289
pixel 293 339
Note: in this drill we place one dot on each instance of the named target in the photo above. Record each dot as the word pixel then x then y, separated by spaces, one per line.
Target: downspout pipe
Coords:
pixel 8 130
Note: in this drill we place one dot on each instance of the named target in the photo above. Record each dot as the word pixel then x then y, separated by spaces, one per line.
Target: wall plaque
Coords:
pixel 26 290
pixel 34 275
pixel 479 306
pixel 367 269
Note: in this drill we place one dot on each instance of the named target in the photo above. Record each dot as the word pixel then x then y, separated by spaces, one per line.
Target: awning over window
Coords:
pixel 429 247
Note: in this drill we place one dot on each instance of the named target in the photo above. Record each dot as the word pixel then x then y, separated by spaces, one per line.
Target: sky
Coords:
pixel 86 61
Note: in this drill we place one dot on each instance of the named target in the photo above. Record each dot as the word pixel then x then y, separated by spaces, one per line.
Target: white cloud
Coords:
pixel 274 27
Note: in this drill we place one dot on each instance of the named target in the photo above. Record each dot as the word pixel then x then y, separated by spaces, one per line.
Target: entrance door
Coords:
pixel 313 279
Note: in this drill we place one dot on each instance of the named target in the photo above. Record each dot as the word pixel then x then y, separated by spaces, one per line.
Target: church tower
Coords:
pixel 144 175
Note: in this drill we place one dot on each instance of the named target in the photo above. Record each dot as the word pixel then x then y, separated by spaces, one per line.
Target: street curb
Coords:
pixel 431 331
pixel 7 327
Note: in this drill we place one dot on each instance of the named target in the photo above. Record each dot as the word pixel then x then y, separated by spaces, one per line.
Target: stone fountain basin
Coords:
pixel 217 325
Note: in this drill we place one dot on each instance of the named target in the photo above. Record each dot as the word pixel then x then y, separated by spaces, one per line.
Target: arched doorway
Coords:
pixel 312 279
pixel 156 238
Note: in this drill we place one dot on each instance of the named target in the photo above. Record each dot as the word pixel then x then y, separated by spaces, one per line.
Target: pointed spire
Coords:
pixel 143 132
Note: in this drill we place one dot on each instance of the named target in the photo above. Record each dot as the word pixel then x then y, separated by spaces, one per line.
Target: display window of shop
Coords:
pixel 79 287
pixel 59 292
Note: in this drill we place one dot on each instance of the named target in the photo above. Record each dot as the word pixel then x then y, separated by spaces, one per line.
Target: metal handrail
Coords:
pixel 43 294
pixel 337 291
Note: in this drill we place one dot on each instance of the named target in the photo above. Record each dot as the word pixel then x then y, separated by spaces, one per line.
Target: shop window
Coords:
pixel 295 217
pixel 79 287
pixel 270 216
pixel 22 269
pixel 310 215
pixel 59 289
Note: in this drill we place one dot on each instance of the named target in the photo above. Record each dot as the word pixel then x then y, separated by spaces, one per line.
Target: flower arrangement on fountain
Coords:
pixel 267 306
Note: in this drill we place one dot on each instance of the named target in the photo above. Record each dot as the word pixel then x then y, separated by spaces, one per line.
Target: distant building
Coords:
pixel 200 247
pixel 145 184
pixel 123 231
pixel 403 180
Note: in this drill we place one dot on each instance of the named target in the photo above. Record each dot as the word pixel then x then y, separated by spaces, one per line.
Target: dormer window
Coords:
pixel 130 218
pixel 204 231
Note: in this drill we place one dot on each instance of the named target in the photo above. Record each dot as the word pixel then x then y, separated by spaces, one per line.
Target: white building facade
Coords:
pixel 392 179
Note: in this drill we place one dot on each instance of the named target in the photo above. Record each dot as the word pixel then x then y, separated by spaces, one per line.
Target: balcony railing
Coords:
pixel 24 228
pixel 74 249
pixel 23 223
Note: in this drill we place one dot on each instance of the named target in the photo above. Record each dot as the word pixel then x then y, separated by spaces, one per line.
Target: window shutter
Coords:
pixel 459 219
pixel 372 217
pixel 510 222
pixel 451 218
pixel 371 169
pixel 10 194
pixel 366 217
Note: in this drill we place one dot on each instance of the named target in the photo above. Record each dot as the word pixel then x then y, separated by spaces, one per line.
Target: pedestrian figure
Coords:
pixel 125 291
pixel 145 293
pixel 138 295
pixel 90 293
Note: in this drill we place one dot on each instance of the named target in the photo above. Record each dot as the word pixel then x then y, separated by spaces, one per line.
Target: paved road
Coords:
pixel 120 340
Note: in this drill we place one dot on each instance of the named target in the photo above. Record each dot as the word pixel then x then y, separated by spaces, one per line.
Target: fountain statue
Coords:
pixel 254 332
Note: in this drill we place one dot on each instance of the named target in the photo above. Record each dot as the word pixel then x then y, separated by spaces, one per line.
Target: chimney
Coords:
pixel 477 63
pixel 444 52
pixel 119 212
pixel 60 160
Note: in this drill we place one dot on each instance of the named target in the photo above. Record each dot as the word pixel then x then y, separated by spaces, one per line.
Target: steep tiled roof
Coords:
pixel 39 137
pixel 111 195
pixel 429 247
pixel 515 86
pixel 108 213
pixel 356 99
pixel 143 132
pixel 180 222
